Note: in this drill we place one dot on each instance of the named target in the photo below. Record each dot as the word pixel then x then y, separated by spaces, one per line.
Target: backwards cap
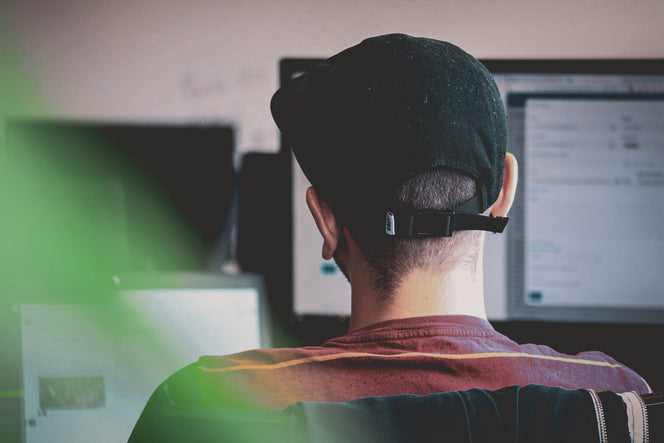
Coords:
pixel 364 121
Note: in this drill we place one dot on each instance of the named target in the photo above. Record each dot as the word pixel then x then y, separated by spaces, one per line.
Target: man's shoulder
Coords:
pixel 588 369
pixel 233 380
pixel 264 358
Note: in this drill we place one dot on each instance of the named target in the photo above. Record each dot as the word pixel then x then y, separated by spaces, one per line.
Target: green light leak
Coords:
pixel 60 244
pixel 62 234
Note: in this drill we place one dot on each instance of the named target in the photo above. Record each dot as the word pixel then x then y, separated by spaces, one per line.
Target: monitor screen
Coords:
pixel 89 368
pixel 584 236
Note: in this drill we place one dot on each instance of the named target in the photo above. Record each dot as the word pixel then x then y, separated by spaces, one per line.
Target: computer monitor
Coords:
pixel 148 196
pixel 584 239
pixel 89 366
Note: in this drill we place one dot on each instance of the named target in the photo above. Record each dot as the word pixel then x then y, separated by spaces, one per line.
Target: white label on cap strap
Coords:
pixel 389 223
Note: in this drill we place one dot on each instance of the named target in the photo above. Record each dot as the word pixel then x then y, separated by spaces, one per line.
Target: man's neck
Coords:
pixel 421 293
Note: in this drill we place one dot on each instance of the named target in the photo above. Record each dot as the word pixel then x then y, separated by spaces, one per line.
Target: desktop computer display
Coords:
pixel 89 367
pixel 142 191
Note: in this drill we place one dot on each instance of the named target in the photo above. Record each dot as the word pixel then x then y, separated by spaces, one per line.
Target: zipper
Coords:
pixel 599 413
pixel 644 412
pixel 637 416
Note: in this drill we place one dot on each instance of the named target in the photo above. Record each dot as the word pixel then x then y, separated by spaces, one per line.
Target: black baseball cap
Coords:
pixel 365 120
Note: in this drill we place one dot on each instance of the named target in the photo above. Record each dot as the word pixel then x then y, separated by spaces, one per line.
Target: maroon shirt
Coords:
pixel 415 355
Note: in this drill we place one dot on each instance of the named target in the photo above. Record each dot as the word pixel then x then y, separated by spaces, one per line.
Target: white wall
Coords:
pixel 216 60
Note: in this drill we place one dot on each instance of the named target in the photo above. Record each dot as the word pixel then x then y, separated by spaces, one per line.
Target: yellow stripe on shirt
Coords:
pixel 342 355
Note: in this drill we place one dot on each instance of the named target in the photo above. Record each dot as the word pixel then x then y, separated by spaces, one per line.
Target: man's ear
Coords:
pixel 326 222
pixel 505 199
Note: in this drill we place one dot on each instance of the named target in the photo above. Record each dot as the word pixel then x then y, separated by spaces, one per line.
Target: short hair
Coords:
pixel 392 258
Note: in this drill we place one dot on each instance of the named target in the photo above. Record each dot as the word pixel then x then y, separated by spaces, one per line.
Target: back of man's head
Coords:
pixel 396 125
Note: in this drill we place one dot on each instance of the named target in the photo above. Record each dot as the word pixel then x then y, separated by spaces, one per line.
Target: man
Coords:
pixel 404 141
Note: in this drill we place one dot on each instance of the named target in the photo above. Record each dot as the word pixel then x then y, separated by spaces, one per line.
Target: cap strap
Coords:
pixel 440 223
